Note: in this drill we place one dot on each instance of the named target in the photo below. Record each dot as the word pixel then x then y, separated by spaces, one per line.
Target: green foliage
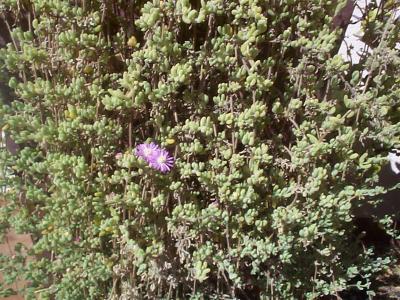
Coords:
pixel 276 140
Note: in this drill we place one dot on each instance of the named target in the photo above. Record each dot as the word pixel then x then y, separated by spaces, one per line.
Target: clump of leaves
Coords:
pixel 275 138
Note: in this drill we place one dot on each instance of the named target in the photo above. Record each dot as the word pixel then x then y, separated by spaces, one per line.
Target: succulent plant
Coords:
pixel 274 140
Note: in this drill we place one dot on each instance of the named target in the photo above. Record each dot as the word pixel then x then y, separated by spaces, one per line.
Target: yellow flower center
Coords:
pixel 161 159
pixel 147 152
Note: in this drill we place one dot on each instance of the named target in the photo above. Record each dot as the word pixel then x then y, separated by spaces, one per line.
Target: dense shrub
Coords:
pixel 275 137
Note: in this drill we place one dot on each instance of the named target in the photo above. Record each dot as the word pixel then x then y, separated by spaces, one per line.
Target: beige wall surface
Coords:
pixel 7 248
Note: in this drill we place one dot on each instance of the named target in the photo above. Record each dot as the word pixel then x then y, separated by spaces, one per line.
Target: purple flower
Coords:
pixel 156 157
pixel 146 151
pixel 161 160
